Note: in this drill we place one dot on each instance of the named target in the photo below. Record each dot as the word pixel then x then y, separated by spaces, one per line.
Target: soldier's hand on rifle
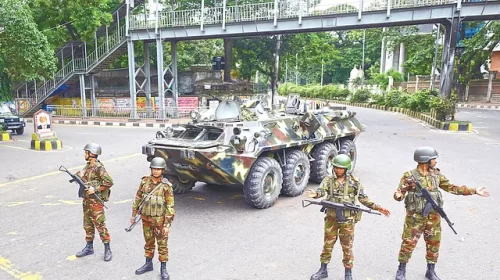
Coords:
pixel 91 190
pixel 132 220
pixel 409 184
pixel 482 192
pixel 311 193
pixel 79 174
pixel 384 211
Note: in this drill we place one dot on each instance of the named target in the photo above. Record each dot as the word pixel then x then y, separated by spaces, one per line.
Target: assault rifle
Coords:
pixel 431 203
pixel 83 186
pixel 137 217
pixel 338 207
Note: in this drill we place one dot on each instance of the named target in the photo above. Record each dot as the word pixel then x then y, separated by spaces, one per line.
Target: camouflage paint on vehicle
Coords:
pixel 220 146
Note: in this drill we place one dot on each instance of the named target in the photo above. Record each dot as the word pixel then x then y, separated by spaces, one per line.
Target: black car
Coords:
pixel 10 121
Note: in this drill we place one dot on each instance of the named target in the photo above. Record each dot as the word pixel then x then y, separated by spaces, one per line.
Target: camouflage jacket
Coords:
pixel 147 185
pixel 335 192
pixel 97 176
pixel 432 182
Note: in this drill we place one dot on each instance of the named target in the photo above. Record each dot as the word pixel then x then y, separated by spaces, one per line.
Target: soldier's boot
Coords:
pixel 401 273
pixel 431 274
pixel 148 266
pixel 88 250
pixel 107 252
pixel 163 271
pixel 322 273
pixel 348 274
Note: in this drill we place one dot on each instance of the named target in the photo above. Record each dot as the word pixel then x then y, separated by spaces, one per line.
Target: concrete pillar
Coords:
pixel 175 85
pixel 383 54
pixel 467 93
pixel 450 40
pixel 402 57
pixel 161 73
pixel 491 77
pixel 82 96
pixel 93 98
pixel 131 78
pixel 147 72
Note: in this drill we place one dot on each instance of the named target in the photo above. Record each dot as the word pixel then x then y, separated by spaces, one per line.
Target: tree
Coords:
pixel 63 21
pixel 25 53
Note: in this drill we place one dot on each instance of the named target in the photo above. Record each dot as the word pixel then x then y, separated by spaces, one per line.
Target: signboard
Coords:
pixel 187 104
pixel 43 125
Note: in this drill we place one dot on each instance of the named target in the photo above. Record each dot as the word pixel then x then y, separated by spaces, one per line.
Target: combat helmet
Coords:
pixel 93 148
pixel 425 154
pixel 158 162
pixel 342 161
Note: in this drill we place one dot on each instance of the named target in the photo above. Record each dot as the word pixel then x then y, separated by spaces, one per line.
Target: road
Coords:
pixel 216 235
pixel 486 122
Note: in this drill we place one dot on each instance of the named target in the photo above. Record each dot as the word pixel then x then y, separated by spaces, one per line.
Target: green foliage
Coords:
pixel 24 51
pixel 419 101
pixel 382 79
pixel 314 91
pixel 396 98
pixel 361 95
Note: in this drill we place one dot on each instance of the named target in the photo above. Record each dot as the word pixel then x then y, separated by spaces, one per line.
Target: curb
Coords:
pixel 5 136
pixel 46 145
pixel 449 126
pixel 485 107
pixel 101 123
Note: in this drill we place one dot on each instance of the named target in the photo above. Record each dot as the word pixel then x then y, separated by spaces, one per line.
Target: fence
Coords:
pixel 121 112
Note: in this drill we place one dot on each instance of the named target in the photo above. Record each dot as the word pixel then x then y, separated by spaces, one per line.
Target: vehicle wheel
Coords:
pixel 20 131
pixel 323 155
pixel 180 185
pixel 295 173
pixel 263 184
pixel 348 147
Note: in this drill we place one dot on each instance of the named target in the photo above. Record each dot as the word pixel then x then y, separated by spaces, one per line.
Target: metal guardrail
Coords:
pixel 121 112
pixel 111 41
pixel 275 10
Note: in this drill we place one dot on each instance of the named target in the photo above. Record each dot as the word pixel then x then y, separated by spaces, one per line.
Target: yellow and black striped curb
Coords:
pixel 46 145
pixel 5 136
pixel 471 106
pixel 450 126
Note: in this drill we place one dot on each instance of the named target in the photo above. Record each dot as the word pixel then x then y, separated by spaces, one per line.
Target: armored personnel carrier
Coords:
pixel 269 153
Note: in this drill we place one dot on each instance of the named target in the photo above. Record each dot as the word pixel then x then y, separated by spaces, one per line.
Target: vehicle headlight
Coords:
pixel 21 119
pixel 2 120
pixel 193 114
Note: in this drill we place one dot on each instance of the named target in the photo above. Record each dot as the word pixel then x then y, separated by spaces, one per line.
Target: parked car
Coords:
pixel 9 120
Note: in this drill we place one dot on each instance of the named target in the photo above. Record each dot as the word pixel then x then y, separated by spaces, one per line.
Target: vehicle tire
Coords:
pixel 295 173
pixel 180 185
pixel 348 147
pixel 20 131
pixel 323 155
pixel 263 184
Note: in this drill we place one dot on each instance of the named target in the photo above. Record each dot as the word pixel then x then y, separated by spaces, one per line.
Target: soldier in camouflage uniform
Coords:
pixel 100 183
pixel 341 187
pixel 155 201
pixel 415 222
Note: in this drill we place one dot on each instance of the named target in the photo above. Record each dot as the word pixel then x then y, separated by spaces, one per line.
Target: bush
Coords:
pixel 378 99
pixel 362 95
pixel 396 98
pixel 419 101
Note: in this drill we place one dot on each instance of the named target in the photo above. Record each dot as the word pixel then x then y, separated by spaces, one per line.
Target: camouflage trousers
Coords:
pixel 93 218
pixel 343 231
pixel 416 225
pixel 155 228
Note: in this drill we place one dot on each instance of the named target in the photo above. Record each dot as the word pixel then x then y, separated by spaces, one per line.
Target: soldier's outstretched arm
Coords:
pixel 365 200
pixel 445 184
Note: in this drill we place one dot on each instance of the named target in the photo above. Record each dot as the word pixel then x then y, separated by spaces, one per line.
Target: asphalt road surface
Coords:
pixel 486 122
pixel 217 236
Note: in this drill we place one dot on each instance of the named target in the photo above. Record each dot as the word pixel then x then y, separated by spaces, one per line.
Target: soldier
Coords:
pixel 341 187
pixel 415 222
pixel 155 201
pixel 100 183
